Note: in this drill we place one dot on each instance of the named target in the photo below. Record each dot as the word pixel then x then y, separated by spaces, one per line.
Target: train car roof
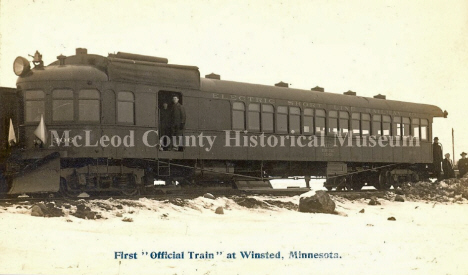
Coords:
pixel 151 70
pixel 264 91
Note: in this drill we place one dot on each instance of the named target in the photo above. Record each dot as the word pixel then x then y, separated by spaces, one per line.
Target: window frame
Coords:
pixel 278 120
pixel 234 111
pixel 366 121
pixel 415 122
pixel 424 123
pixel 341 119
pixel 377 121
pixel 386 120
pixel 117 113
pixel 257 114
pixel 291 116
pixel 34 99
pixel 81 99
pixel 72 98
pixel 318 117
pixel 356 117
pixel 263 115
pixel 305 118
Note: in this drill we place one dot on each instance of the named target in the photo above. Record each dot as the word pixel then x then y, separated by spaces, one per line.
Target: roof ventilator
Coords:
pixel 282 84
pixel 213 76
pixel 318 89
pixel 350 93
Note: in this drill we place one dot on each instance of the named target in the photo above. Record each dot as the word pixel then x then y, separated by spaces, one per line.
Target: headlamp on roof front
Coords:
pixel 21 66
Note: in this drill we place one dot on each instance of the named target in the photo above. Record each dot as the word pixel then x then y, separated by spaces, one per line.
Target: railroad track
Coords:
pixel 160 194
pixel 189 193
pixel 366 194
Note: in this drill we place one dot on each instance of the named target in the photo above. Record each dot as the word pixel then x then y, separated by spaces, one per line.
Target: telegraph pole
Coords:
pixel 453 146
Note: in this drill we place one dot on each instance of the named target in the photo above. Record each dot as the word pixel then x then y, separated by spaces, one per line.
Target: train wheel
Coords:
pixel 384 183
pixel 343 184
pixel 357 186
pixel 415 176
pixel 65 191
pixel 356 182
pixel 329 188
pixel 130 192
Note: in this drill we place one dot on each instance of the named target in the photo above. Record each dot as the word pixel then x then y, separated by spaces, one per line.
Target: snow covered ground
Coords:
pixel 426 238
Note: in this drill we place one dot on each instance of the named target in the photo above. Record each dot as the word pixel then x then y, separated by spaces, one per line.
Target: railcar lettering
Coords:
pixel 305 104
pixel 244 98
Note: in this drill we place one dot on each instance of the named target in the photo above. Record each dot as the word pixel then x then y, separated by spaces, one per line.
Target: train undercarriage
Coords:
pixel 72 177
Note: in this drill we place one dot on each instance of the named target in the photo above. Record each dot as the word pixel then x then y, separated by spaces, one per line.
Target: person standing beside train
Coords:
pixel 437 158
pixel 447 166
pixel 463 165
pixel 178 122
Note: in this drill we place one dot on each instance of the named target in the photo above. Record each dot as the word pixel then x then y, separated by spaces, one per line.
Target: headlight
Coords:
pixel 21 66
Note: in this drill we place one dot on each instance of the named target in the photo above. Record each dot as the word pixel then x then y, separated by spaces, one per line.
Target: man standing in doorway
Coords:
pixel 165 125
pixel 178 122
pixel 437 158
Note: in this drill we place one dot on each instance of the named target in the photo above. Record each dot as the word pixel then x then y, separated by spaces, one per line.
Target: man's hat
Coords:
pixel 436 138
pixel 463 153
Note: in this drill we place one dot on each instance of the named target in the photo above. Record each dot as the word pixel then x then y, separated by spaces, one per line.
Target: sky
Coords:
pixel 415 51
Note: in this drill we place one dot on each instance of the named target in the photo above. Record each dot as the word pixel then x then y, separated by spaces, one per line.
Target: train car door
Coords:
pixel 171 121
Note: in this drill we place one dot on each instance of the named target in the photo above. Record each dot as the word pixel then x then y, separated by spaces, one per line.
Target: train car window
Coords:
pixel 415 127
pixel 89 105
pixel 332 122
pixel 386 120
pixel 344 122
pixel 377 125
pixel 238 116
pixel 254 117
pixel 424 125
pixel 355 117
pixel 282 119
pixel 397 126
pixel 34 105
pixel 267 118
pixel 62 105
pixel 406 127
pixel 365 124
pixel 308 121
pixel 320 122
pixel 294 120
pixel 126 108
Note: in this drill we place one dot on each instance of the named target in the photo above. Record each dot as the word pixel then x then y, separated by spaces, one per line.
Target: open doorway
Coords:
pixel 171 120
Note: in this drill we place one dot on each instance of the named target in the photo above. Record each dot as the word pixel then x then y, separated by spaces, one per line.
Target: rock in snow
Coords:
pixel 37 210
pixel 49 210
pixel 374 201
pixel 320 202
pixel 219 210
pixel 399 198
pixel 209 196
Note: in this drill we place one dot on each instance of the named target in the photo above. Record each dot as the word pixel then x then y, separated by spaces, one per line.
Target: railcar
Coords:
pixel 8 110
pixel 88 123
